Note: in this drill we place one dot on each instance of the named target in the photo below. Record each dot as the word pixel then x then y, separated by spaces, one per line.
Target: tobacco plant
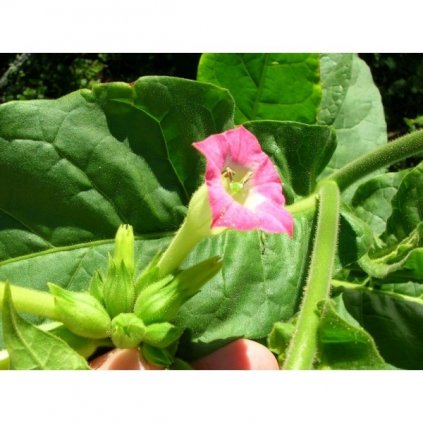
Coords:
pixel 174 216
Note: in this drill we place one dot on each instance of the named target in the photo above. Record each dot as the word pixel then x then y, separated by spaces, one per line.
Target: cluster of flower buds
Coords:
pixel 133 311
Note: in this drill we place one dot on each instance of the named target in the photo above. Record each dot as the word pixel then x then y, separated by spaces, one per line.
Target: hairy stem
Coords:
pixel 31 301
pixel 303 345
pixel 393 152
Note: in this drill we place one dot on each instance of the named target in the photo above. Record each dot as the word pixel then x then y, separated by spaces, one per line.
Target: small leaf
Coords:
pixel 33 349
pixel 355 238
pixel 407 206
pixel 405 256
pixel 279 338
pixel 343 344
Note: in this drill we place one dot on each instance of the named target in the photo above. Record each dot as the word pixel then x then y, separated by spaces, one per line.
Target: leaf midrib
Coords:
pixel 90 244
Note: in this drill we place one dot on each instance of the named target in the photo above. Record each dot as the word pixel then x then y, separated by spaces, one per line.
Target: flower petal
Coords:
pixel 263 207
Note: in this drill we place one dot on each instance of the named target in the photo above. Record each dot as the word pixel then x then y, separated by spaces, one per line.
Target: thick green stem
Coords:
pixel 390 153
pixel 195 228
pixel 184 241
pixel 303 345
pixel 31 301
pixel 304 206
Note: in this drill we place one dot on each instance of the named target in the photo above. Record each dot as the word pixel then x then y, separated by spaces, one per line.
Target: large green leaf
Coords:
pixel 73 169
pixel 300 151
pixel 335 73
pixel 31 348
pixel 393 319
pixel 273 86
pixel 260 283
pixel 357 115
pixel 343 343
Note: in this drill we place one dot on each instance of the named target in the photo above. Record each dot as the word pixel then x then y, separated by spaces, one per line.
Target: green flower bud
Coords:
pixel 161 301
pixel 118 289
pixel 156 356
pixel 124 247
pixel 161 335
pixel 127 330
pixel 81 313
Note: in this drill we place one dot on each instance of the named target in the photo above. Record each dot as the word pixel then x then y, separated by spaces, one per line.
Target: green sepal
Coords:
pixel 127 330
pixel 161 301
pixel 161 335
pixel 118 290
pixel 97 286
pixel 157 356
pixel 149 275
pixel 125 247
pixel 81 313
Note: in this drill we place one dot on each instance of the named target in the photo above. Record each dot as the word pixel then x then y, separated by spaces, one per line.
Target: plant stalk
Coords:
pixel 393 152
pixel 303 345
pixel 31 301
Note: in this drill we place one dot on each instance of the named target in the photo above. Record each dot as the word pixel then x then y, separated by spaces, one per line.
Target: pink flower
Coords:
pixel 244 188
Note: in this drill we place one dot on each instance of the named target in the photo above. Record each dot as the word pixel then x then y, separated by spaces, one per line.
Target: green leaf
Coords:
pixel 343 343
pixel 299 151
pixel 355 238
pixel 74 169
pixel 407 205
pixel 393 319
pixel 272 86
pixel 260 283
pixel 359 121
pixel 372 200
pixel 33 349
pixel 157 356
pixel 404 256
pixel 279 338
pixel 335 70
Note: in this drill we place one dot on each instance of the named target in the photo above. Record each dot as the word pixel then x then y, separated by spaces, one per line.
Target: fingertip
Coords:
pixel 242 354
pixel 121 359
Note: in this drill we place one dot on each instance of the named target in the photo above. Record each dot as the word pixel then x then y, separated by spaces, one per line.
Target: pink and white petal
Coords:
pixel 272 191
pixel 265 173
pixel 243 146
pixel 274 218
pixel 215 149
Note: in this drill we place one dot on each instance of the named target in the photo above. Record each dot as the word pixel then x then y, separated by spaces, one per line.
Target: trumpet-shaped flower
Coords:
pixel 244 188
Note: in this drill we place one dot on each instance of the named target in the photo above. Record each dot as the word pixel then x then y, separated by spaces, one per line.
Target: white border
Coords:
pixel 210 26
pixel 213 396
